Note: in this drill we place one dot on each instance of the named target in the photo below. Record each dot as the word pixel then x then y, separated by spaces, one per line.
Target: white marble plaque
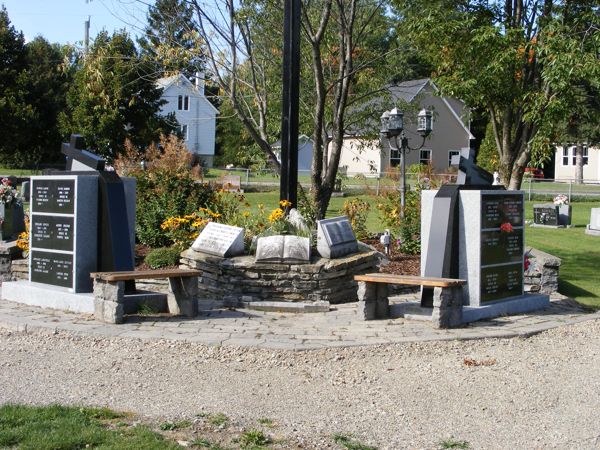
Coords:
pixel 595 219
pixel 220 240
pixel 283 249
pixel 335 237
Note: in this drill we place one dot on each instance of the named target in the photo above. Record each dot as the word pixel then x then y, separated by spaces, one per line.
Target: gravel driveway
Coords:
pixel 539 392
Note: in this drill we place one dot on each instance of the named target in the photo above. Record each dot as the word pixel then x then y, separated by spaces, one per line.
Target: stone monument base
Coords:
pixel 539 225
pixel 46 296
pixel 591 231
pixel 55 297
pixel 515 305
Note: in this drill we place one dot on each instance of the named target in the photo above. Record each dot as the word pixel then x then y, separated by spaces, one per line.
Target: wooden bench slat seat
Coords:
pixel 144 274
pixel 409 279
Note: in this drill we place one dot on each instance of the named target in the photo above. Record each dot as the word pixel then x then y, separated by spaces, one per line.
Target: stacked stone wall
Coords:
pixel 241 279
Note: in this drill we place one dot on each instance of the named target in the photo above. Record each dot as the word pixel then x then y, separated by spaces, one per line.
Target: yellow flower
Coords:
pixel 276 215
pixel 285 203
pixel 246 214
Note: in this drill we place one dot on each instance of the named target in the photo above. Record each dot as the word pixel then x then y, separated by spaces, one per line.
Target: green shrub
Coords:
pixel 162 257
pixel 406 230
pixel 357 211
pixel 162 194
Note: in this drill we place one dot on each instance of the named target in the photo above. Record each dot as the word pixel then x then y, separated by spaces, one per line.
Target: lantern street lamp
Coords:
pixel 392 128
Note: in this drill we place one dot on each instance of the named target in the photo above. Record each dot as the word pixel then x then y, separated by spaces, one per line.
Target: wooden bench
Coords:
pixel 374 300
pixel 109 291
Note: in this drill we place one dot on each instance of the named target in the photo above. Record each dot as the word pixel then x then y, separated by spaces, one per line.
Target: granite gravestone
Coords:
pixel 335 237
pixel 545 214
pixel 220 240
pixel 593 228
pixel 63 231
pixel 475 232
pixel 288 249
pixel 492 245
pixel 81 221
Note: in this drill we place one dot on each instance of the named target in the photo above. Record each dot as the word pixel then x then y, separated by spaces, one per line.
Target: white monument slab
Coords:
pixel 220 240
pixel 283 249
pixel 335 237
pixel 593 227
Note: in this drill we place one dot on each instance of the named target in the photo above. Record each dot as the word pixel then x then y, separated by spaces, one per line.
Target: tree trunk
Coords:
pixel 579 163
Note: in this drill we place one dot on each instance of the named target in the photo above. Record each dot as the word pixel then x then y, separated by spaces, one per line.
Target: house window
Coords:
pixel 425 157
pixel 183 103
pixel 565 156
pixel 585 155
pixel 394 158
pixel 452 153
pixel 184 132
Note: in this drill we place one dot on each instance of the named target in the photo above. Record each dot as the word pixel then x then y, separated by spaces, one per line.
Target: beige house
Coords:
pixel 564 163
pixel 450 132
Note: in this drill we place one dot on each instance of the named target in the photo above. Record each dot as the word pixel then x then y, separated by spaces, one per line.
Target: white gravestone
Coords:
pixel 594 226
pixel 335 237
pixel 220 240
pixel 283 249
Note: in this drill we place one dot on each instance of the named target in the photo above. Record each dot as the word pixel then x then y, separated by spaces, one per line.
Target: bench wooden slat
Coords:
pixel 145 274
pixel 409 279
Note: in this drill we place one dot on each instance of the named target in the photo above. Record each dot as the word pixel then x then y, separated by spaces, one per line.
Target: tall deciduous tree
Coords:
pixel 520 60
pixel 114 98
pixel 345 50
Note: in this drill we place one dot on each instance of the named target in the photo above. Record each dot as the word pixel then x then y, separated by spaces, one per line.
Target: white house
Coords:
pixel 450 132
pixel 195 114
pixel 564 163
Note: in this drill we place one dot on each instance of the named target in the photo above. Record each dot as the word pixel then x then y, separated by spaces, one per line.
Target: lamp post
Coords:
pixel 392 128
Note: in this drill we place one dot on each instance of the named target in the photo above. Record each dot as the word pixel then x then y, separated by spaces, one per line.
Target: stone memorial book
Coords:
pixel 283 249
pixel 220 240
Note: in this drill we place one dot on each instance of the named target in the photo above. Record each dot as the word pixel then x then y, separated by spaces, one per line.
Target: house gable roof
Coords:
pixel 180 80
pixel 408 90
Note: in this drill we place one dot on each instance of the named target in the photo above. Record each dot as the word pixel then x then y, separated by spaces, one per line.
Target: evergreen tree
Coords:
pixel 114 97
pixel 170 40
pixel 14 115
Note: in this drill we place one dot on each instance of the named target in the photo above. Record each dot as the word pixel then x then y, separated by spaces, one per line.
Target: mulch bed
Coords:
pixel 400 263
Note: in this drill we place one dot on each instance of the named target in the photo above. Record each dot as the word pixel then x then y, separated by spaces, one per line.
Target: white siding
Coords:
pixel 200 118
pixel 591 171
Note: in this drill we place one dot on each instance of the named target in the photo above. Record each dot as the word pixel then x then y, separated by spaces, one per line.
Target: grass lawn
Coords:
pixel 18 172
pixel 580 253
pixel 60 427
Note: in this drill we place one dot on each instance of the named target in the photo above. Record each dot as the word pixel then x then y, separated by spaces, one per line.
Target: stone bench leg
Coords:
pixel 447 307
pixel 373 302
pixel 109 299
pixel 183 296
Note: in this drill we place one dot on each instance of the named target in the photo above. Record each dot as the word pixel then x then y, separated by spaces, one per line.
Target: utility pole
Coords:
pixel 288 189
pixel 86 35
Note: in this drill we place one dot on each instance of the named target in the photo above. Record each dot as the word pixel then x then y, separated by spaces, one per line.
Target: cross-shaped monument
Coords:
pixel 79 159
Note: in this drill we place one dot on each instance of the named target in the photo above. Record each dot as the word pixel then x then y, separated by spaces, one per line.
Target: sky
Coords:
pixel 62 21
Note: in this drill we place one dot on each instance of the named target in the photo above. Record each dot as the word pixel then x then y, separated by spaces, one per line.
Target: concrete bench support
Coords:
pixel 109 301
pixel 183 296
pixel 373 301
pixel 447 307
